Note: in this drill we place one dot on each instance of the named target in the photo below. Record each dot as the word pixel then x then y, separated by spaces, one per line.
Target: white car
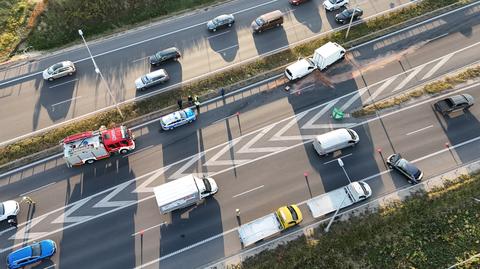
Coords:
pixel 151 79
pixel 300 69
pixel 59 70
pixel 8 209
pixel 331 5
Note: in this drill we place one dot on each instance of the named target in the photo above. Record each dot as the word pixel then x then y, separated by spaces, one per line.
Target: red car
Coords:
pixel 297 2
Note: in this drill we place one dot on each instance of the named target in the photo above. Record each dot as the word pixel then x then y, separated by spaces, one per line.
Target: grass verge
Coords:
pixel 431 88
pixel 209 85
pixel 429 230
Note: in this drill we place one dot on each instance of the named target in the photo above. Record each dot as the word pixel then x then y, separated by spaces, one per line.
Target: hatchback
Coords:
pixel 59 70
pixel 346 15
pixel 33 253
pixel 177 118
pixel 151 79
pixel 164 55
pixel 413 174
pixel 220 22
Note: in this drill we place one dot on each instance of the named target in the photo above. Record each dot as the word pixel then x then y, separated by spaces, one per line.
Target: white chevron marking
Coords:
pixel 24 233
pixel 380 89
pixel 143 187
pixel 438 65
pixel 213 161
pixel 279 135
pixel 65 217
pixel 179 173
pixel 105 202
pixel 310 124
pixel 246 148
pixel 409 77
pixel 353 99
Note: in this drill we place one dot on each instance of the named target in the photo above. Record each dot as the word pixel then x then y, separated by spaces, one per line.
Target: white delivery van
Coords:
pixel 183 192
pixel 335 140
pixel 323 57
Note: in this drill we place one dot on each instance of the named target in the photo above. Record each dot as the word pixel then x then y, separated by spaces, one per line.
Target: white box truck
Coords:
pixel 284 218
pixel 323 57
pixel 339 198
pixel 183 192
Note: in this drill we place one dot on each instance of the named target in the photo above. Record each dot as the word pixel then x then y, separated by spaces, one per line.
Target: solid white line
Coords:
pixel 437 37
pixel 245 192
pixel 37 189
pixel 302 89
pixel 51 266
pixel 212 36
pixel 338 158
pixel 137 151
pixel 438 65
pixel 231 47
pixel 71 99
pixel 380 89
pixel 143 58
pixel 144 230
pixel 419 130
pixel 7 230
pixel 60 84
pixel 409 77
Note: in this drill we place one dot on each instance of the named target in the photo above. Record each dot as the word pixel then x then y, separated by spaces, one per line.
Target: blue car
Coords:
pixel 31 254
pixel 177 118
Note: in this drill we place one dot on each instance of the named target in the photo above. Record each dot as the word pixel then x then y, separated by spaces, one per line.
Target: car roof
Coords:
pixel 300 65
pixel 331 138
pixel 157 73
pixel 21 253
pixel 174 116
pixel 169 51
pixel 224 16
pixel 407 166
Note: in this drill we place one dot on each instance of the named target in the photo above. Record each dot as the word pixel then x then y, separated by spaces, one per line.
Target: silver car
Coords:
pixel 59 70
pixel 151 79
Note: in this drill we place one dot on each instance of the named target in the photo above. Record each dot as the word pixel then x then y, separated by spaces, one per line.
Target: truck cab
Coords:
pixel 118 139
pixel 289 216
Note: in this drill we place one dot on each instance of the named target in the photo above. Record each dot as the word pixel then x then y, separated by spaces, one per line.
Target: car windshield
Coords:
pixel 332 1
pixel 407 167
pixel 216 21
pixel 351 134
pixel 54 67
pixel 145 80
pixel 183 114
pixel 292 211
pixel 36 250
pixel 259 21
pixel 208 187
pixel 2 209
pixel 363 188
pixel 347 12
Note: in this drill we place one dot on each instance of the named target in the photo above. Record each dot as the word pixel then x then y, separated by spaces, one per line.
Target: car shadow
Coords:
pixel 225 43
pixel 309 10
pixel 264 40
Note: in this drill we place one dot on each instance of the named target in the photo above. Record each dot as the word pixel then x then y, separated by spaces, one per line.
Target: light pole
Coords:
pixel 97 70
pixel 350 24
pixel 340 162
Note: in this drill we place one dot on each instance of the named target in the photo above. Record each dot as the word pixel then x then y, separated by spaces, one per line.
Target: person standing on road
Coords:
pixel 180 103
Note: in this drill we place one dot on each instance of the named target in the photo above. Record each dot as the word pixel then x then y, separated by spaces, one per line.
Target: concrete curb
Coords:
pixel 389 199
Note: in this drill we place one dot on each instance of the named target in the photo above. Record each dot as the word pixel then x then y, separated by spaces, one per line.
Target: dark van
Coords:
pixel 267 21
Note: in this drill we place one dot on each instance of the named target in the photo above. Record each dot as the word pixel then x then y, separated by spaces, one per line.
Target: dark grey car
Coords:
pixel 346 15
pixel 413 174
pixel 222 21
pixel 164 55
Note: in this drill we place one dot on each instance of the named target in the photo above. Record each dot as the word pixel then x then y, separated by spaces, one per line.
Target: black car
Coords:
pixel 395 161
pixel 164 55
pixel 221 21
pixel 346 15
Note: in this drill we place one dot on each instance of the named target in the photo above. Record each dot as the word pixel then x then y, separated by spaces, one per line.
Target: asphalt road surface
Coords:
pixel 28 103
pixel 97 213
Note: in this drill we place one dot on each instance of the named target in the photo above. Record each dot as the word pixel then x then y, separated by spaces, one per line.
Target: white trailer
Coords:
pixel 183 192
pixel 284 218
pixel 339 198
pixel 327 54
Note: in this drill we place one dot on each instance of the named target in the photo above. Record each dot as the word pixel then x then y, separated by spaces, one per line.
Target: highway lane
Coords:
pixel 93 180
pixel 38 104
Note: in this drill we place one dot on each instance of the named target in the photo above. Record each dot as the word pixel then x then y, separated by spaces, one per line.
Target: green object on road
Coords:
pixel 337 114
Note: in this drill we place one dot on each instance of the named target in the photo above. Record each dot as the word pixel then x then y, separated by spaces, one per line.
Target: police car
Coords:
pixel 177 118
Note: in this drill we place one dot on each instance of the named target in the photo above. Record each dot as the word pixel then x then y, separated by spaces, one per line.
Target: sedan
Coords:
pixel 8 209
pixel 346 15
pixel 33 253
pixel 331 5
pixel 221 21
pixel 297 2
pixel 177 118
pixel 151 79
pixel 59 70
pixel 413 174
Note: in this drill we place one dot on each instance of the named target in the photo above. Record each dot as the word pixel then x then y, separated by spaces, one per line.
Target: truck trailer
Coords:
pixel 183 192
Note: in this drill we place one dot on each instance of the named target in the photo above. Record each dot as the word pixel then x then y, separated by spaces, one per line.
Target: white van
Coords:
pixel 335 140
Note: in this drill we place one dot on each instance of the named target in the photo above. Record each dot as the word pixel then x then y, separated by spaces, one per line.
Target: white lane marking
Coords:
pixel 419 130
pixel 71 99
pixel 409 77
pixel 153 227
pixel 381 88
pixel 143 58
pixel 245 192
pixel 63 83
pixel 437 37
pixel 213 36
pixel 221 69
pixel 353 98
pixel 7 230
pixel 40 218
pixel 37 189
pixel 302 89
pixel 137 151
pixel 51 266
pixel 227 48
pixel 438 65
pixel 344 156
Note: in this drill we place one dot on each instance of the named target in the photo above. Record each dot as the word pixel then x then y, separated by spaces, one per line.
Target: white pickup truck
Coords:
pixel 339 198
pixel 284 218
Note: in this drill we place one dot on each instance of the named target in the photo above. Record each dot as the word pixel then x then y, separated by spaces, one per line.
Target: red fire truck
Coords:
pixel 87 147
